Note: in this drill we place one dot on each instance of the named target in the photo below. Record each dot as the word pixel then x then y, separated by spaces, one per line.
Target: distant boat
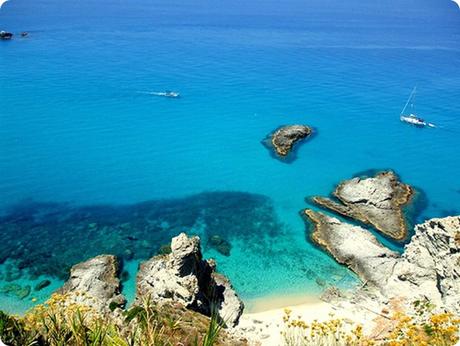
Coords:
pixel 167 93
pixel 412 118
pixel 5 35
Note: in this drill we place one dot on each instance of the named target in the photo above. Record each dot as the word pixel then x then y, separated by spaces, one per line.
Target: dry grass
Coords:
pixel 60 323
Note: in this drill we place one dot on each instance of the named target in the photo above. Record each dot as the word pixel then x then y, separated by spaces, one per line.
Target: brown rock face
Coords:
pixel 377 201
pixel 285 137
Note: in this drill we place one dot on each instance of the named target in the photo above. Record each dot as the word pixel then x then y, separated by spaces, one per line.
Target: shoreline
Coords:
pixel 274 302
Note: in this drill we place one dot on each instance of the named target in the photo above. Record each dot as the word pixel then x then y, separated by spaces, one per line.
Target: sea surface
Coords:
pixel 91 162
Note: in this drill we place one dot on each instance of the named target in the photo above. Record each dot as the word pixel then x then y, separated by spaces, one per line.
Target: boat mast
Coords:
pixel 409 99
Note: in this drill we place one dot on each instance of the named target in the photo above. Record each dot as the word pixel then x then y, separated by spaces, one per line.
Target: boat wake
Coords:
pixel 167 93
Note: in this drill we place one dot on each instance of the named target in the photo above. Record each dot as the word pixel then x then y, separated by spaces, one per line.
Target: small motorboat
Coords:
pixel 412 118
pixel 4 35
pixel 167 93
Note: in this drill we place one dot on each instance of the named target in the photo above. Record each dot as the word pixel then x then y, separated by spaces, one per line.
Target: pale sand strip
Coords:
pixel 264 321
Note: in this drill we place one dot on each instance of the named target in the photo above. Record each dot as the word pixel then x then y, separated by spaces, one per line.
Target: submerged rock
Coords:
pixel 95 283
pixel 24 292
pixel 183 276
pixel 16 290
pixel 376 201
pixel 220 244
pixel 429 267
pixel 42 284
pixel 284 138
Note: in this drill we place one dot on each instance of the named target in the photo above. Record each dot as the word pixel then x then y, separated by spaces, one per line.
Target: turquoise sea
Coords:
pixel 91 163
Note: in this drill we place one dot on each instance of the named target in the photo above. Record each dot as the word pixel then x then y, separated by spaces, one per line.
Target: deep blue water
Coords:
pixel 77 126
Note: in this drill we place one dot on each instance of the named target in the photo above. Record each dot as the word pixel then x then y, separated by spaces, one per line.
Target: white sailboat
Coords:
pixel 412 118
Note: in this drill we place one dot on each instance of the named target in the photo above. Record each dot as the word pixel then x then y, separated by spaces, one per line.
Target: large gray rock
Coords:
pixel 230 306
pixel 376 201
pixel 285 137
pixel 429 267
pixel 354 247
pixel 183 276
pixel 94 283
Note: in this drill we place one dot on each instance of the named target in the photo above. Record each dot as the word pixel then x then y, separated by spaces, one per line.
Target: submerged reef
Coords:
pixel 282 140
pixel 49 238
pixel 376 201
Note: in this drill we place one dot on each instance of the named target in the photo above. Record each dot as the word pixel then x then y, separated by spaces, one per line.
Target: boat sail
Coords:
pixel 412 118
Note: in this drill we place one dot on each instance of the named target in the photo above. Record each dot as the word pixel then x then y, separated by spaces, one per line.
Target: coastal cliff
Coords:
pixel 180 299
pixel 427 269
pixel 183 276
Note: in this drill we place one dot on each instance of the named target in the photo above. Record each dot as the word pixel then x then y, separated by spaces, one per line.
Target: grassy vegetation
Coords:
pixel 60 323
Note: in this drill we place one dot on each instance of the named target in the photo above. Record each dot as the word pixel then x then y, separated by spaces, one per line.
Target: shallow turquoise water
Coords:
pixel 76 125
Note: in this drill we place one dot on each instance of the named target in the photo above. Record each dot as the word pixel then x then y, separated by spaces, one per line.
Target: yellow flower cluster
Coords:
pixel 422 329
pixel 440 329
pixel 329 333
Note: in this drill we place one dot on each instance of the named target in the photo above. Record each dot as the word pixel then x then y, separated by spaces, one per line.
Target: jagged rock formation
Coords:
pixel 285 137
pixel 429 267
pixel 95 283
pixel 430 264
pixel 183 276
pixel 353 246
pixel 376 201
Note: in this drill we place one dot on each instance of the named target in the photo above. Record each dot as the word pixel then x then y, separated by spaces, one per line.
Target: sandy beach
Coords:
pixel 263 324
pixel 264 319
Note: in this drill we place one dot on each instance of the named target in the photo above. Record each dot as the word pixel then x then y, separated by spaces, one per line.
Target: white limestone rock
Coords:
pixel 94 283
pixel 183 276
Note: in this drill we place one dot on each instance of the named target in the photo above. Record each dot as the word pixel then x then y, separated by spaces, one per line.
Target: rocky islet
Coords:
pixel 283 139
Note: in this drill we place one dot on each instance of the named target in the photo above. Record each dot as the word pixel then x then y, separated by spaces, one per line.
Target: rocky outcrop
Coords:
pixel 376 201
pixel 354 247
pixel 430 264
pixel 284 138
pixel 95 283
pixel 429 267
pixel 183 276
